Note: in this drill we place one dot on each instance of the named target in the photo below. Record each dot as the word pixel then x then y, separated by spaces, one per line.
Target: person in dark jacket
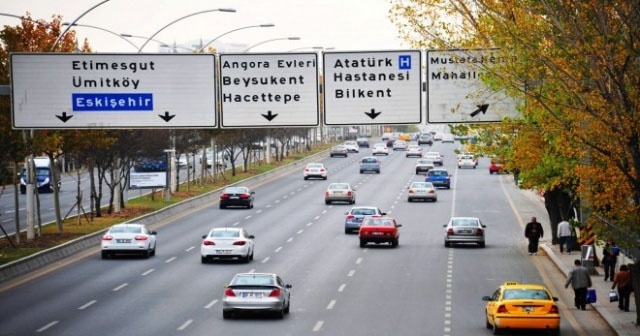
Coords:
pixel 609 259
pixel 580 281
pixel 623 281
pixel 533 231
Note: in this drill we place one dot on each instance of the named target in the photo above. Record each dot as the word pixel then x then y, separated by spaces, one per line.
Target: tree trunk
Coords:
pixel 635 277
pixel 558 204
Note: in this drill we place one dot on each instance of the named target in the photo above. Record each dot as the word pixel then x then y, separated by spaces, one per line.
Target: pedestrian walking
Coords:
pixel 623 281
pixel 610 254
pixel 564 233
pixel 533 231
pixel 580 281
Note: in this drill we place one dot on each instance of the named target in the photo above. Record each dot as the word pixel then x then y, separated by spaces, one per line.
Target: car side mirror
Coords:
pixel 154 232
pixel 444 225
pixel 253 192
pixel 555 298
pixel 251 237
pixel 288 286
pixel 398 225
pixel 486 298
pixel 384 213
pixel 204 236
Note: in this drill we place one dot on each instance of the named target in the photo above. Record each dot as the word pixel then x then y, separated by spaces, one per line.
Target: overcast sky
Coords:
pixel 340 24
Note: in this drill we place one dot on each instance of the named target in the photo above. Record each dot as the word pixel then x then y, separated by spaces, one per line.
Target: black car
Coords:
pixel 363 142
pixel 236 196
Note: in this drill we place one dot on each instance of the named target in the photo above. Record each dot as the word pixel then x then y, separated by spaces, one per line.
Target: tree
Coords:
pixel 577 68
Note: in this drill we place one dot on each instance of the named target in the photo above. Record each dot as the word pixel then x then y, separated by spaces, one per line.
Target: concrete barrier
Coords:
pixel 38 260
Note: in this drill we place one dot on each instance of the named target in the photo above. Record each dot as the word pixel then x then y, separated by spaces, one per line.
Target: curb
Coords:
pixel 20 267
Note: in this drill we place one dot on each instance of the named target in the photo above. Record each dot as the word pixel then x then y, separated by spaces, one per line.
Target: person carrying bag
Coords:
pixel 622 279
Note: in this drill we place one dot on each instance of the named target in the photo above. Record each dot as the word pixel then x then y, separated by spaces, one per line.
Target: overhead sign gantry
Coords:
pixel 372 87
pixel 456 93
pixel 269 90
pixel 56 91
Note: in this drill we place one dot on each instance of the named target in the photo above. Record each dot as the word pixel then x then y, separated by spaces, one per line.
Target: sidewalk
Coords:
pixel 622 322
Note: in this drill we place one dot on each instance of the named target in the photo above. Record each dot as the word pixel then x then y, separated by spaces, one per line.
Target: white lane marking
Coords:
pixel 331 304
pixel 341 288
pixel 318 326
pixel 148 272
pixel 278 249
pixel 120 287
pixel 265 260
pixel 259 211
pixel 324 211
pixel 351 273
pixel 277 201
pixel 236 223
pixel 248 217
pixel 170 260
pixel 310 223
pixel 300 231
pixel 185 325
pixel 47 326
pixel 211 304
pixel 87 305
pixel 268 206
pixel 190 248
pixel 317 217
pixel 359 260
pixel 290 240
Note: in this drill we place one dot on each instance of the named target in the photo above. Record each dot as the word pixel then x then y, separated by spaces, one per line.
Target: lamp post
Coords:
pixel 314 48
pixel 271 40
pixel 266 25
pixel 55 44
pixel 103 29
pixel 227 10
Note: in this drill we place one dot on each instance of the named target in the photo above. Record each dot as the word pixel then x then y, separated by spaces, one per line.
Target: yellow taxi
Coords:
pixel 522 306
pixel 404 136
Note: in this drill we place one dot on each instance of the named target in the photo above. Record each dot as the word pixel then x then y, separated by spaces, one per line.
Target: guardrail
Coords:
pixel 41 259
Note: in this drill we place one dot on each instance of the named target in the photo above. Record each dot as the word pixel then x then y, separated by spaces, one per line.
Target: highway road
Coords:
pixel 419 288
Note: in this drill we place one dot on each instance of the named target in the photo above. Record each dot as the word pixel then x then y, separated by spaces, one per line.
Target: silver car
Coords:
pixel 424 165
pixel 227 243
pixel 424 191
pixel 129 238
pixel 462 230
pixel 355 216
pixel 340 192
pixel 256 293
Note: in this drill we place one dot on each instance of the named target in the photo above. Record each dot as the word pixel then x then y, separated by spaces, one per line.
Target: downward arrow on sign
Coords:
pixel 373 114
pixel 269 116
pixel 64 117
pixel 166 117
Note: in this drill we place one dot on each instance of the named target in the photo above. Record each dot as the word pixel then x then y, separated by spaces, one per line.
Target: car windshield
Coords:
pixel 126 229
pixel 235 190
pixel 259 280
pixel 438 173
pixel 525 294
pixel 378 222
pixel 464 222
pixel 369 160
pixel 425 162
pixel 339 186
pixel 314 165
pixel 364 212
pixel 421 185
pixel 225 234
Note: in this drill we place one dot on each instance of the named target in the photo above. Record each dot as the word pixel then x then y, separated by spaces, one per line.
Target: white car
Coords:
pixel 448 138
pixel 435 157
pixel 422 191
pixel 399 145
pixel 380 148
pixel 227 243
pixel 315 169
pixel 352 146
pixel 413 150
pixel 129 238
pixel 467 161
pixel 424 165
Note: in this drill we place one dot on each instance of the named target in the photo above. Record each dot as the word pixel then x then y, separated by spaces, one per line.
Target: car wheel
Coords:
pixel 105 255
pixel 447 244
pixel 247 259
pixel 481 244
pixel 222 206
pixel 280 313
pixel 287 309
pixel 250 205
pixel 409 200
pixel 347 231
pixel 327 202
pixel 153 251
pixel 226 314
pixel 203 260
pixel 362 243
pixel 146 254
pixel 361 171
pixel 395 243
pixel 305 178
pixel 496 330
pixel 489 326
pixel 324 177
pixel 378 172
pixel 554 332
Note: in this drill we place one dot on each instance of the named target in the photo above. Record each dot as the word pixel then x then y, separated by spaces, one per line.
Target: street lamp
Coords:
pixel 103 29
pixel 55 44
pixel 227 10
pixel 314 48
pixel 231 31
pixel 267 41
pixel 175 47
